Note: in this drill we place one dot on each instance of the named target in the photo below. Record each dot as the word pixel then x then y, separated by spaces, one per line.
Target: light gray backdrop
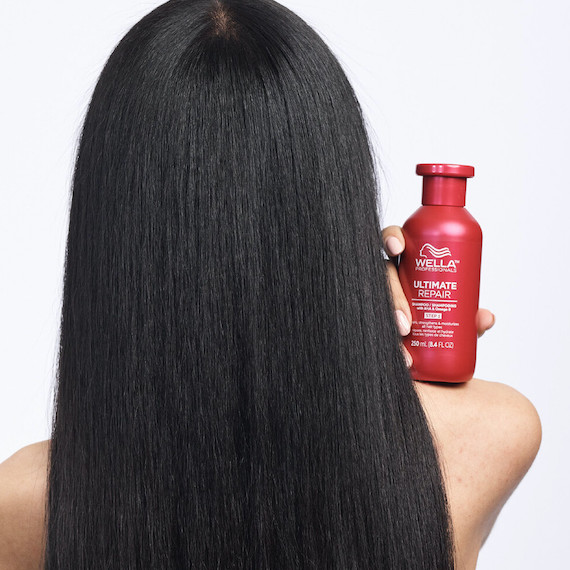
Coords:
pixel 481 82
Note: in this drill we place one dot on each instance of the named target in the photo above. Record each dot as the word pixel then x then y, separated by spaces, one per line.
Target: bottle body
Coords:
pixel 440 274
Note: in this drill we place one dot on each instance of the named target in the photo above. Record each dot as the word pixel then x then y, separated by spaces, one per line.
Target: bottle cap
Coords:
pixel 454 170
pixel 444 184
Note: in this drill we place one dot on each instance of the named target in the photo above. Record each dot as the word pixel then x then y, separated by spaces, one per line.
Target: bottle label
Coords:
pixel 434 297
pixel 440 278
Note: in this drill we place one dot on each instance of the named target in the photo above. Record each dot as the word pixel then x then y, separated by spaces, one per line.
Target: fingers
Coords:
pixel 403 313
pixel 394 242
pixel 485 320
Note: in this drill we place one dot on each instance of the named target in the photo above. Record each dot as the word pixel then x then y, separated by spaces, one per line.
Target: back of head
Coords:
pixel 231 392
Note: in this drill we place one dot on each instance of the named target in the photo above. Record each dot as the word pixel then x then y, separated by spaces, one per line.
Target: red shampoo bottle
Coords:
pixel 440 272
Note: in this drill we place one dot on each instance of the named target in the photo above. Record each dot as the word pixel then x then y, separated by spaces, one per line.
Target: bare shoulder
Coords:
pixel 493 416
pixel 23 483
pixel 487 435
pixel 29 456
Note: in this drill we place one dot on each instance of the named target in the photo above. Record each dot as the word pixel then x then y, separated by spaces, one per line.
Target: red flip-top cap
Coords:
pixel 453 170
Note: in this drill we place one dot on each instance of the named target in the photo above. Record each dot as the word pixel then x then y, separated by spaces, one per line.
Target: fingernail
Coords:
pixel 393 245
pixel 408 357
pixel 403 323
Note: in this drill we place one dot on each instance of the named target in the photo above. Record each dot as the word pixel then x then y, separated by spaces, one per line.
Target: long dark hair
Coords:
pixel 230 387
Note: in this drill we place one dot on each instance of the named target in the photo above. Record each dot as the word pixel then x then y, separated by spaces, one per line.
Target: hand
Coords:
pixel 394 245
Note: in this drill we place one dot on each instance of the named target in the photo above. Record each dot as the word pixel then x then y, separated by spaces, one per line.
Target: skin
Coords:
pixel 487 435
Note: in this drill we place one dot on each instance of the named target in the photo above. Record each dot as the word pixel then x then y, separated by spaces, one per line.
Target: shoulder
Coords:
pixel 493 418
pixel 487 435
pixel 23 483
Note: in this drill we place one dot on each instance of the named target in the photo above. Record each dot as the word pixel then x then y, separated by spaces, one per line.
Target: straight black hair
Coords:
pixel 230 387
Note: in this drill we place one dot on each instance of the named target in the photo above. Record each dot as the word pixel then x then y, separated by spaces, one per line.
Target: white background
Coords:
pixel 483 83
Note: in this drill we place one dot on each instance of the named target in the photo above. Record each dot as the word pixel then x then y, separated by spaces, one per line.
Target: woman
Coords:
pixel 231 391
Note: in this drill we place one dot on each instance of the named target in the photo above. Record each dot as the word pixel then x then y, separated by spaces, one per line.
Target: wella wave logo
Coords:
pixel 427 248
pixel 433 259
